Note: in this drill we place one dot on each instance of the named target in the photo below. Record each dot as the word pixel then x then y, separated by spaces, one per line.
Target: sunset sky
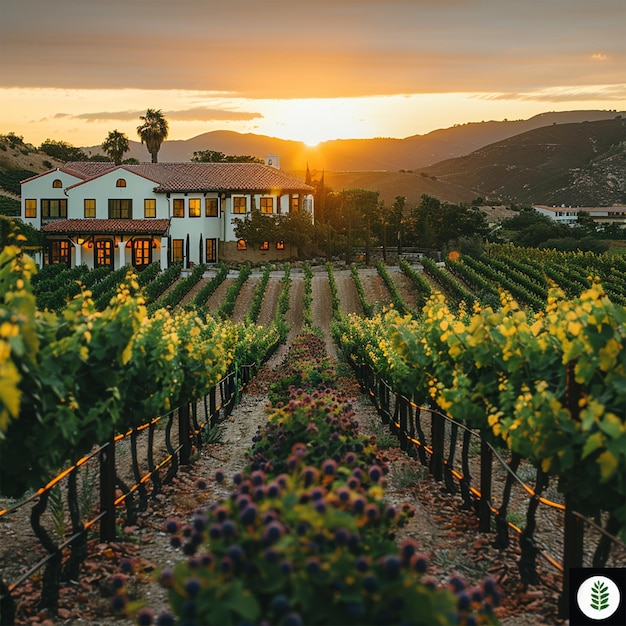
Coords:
pixel 73 70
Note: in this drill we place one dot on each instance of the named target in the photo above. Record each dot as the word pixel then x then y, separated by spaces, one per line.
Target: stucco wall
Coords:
pixel 228 252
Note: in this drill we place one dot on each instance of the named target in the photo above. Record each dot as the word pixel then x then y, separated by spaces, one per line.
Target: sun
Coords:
pixel 315 120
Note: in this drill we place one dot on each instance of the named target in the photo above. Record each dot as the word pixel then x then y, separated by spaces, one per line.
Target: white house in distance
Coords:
pixel 569 215
pixel 99 213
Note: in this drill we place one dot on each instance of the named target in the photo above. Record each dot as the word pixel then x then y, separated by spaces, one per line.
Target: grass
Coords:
pixel 213 435
pixel 410 476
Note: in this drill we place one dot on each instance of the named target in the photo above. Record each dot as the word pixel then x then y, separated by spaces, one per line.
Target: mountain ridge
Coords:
pixel 379 153
pixel 555 161
pixel 578 164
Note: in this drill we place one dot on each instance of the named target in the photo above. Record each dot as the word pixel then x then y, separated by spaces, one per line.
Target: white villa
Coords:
pixel 99 213
pixel 569 215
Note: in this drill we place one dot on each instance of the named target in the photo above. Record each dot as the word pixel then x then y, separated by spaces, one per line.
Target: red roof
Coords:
pixel 199 177
pixel 80 169
pixel 107 227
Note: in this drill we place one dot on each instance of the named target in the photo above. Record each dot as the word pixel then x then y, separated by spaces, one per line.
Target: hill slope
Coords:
pixel 573 164
pixel 581 164
pixel 413 152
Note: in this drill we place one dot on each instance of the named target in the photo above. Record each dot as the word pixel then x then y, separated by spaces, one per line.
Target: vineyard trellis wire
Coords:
pixel 215 406
pixel 437 448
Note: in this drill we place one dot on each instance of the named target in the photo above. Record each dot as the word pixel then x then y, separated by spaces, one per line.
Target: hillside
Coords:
pixel 18 161
pixel 577 164
pixel 573 164
pixel 413 152
pixel 409 184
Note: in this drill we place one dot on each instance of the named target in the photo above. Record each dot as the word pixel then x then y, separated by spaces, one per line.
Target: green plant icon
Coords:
pixel 599 596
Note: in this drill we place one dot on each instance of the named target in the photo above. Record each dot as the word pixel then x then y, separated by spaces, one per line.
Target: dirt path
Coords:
pixel 321 309
pixel 348 297
pixel 189 296
pixel 405 287
pixel 270 298
pixel 244 299
pixel 217 297
pixel 294 315
pixel 375 289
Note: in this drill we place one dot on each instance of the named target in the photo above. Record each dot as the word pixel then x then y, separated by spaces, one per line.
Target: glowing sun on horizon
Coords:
pixel 316 120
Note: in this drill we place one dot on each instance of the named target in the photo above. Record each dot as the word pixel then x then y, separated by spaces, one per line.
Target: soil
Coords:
pixel 446 533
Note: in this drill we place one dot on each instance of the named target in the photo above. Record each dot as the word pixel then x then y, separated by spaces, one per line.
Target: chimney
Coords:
pixel 273 160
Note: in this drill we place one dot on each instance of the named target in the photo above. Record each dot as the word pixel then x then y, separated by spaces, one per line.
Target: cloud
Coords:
pixel 565 94
pixel 201 114
pixel 196 114
pixel 286 49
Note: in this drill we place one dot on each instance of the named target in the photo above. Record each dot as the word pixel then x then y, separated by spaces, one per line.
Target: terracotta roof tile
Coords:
pixel 88 169
pixel 107 227
pixel 200 177
pixel 80 169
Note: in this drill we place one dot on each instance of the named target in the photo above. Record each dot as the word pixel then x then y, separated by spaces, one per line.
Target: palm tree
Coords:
pixel 153 131
pixel 115 145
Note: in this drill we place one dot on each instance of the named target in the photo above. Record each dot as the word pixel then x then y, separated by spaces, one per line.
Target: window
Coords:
pixel 149 207
pixel 120 182
pixel 57 184
pixel 120 209
pixel 211 207
pixel 294 206
pixel 239 204
pixel 211 250
pixel 241 244
pixel 104 253
pixel 59 252
pixel 142 253
pixel 177 251
pixel 267 205
pixel 194 207
pixel 280 245
pixel 265 245
pixel 178 207
pixel 54 208
pixel 89 207
pixel 30 208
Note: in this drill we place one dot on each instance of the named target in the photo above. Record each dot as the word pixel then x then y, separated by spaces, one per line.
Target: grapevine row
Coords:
pixel 452 287
pixel 548 386
pixel 73 379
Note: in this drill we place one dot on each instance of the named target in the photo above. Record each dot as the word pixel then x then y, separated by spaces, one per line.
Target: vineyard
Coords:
pixel 501 375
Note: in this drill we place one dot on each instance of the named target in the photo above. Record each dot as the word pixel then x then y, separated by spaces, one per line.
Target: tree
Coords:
pixel 256 228
pixel 62 151
pixel 356 211
pixel 531 229
pixel 214 156
pixel 153 132
pixel 436 223
pixel 295 229
pixel 395 221
pixel 427 222
pixel 115 145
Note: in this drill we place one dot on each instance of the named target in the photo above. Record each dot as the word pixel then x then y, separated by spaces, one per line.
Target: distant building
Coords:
pixel 569 215
pixel 101 214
